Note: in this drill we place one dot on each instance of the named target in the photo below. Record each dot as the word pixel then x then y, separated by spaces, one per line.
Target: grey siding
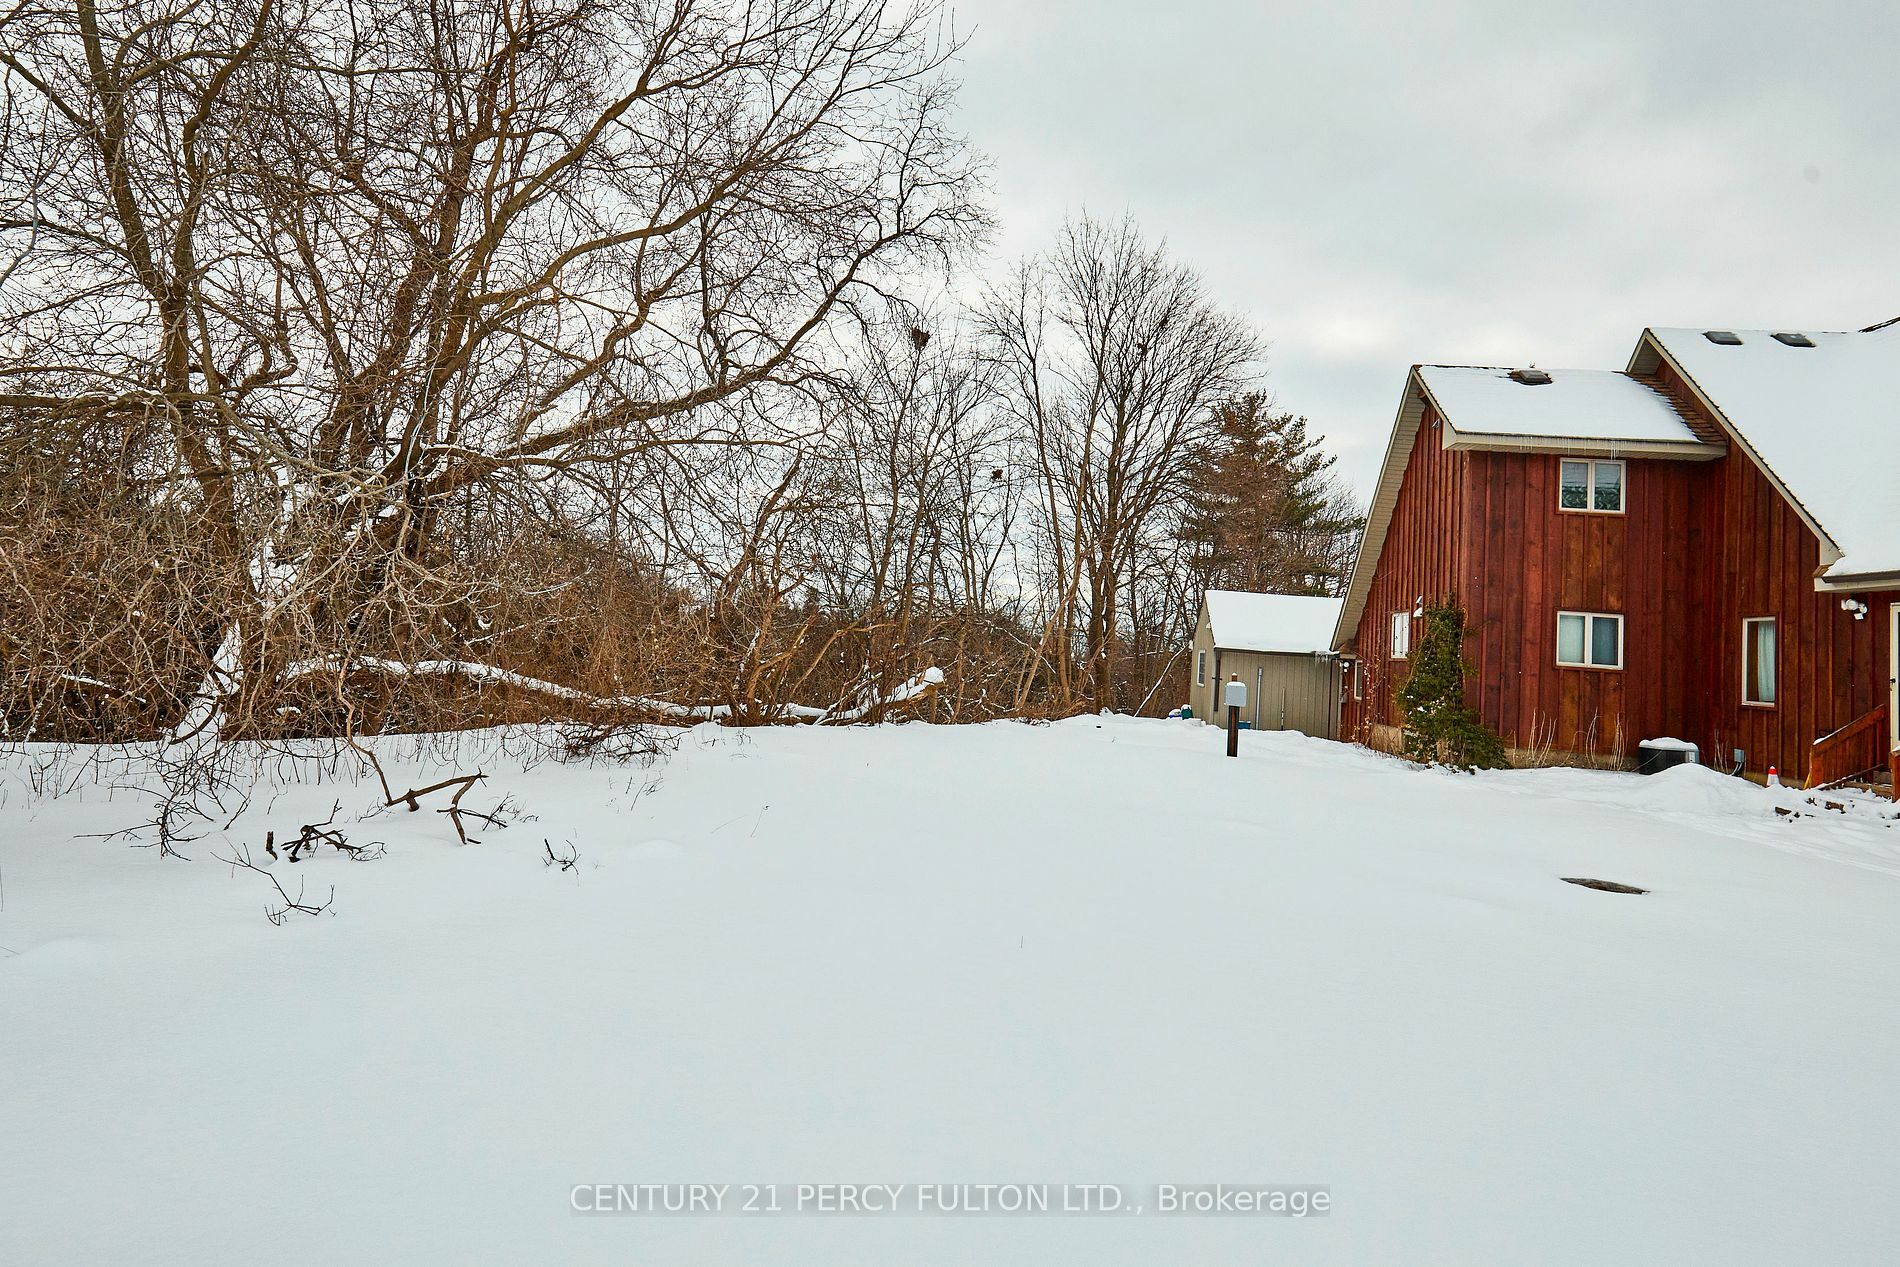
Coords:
pixel 1284 692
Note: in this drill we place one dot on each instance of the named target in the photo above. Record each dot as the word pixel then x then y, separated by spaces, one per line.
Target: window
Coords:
pixel 1200 668
pixel 1358 682
pixel 1758 662
pixel 1590 486
pixel 1401 635
pixel 1587 640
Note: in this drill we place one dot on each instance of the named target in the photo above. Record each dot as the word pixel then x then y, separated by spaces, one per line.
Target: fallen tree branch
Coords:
pixel 314 834
pixel 461 783
pixel 909 694
pixel 409 798
pixel 491 674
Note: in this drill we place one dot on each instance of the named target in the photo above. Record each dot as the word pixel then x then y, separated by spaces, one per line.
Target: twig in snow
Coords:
pixel 241 857
pixel 571 862
pixel 192 786
pixel 496 817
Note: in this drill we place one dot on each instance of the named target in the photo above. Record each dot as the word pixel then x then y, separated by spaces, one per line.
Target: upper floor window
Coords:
pixel 1591 486
pixel 1401 635
pixel 1758 661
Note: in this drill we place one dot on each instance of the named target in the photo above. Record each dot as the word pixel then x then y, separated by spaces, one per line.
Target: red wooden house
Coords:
pixel 1703 546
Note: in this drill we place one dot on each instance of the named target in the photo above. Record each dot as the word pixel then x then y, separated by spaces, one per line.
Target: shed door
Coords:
pixel 1300 697
pixel 1297 695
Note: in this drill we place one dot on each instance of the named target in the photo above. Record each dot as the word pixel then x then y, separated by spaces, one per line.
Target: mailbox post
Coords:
pixel 1235 699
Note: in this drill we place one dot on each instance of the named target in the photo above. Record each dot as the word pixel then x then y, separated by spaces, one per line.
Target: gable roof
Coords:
pixel 1585 412
pixel 1823 423
pixel 1293 623
pixel 1484 402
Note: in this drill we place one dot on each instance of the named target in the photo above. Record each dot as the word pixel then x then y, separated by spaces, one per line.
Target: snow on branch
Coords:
pixel 478 672
pixel 911 691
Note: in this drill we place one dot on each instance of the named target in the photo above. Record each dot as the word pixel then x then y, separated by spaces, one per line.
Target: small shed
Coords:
pixel 1280 645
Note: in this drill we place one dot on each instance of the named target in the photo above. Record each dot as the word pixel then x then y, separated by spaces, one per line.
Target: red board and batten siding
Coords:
pixel 1700 547
pixel 1754 555
pixel 1535 560
pixel 1831 668
pixel 1418 559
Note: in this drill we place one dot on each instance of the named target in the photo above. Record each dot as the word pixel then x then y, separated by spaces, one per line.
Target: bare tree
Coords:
pixel 1113 354
pixel 426 363
pixel 373 272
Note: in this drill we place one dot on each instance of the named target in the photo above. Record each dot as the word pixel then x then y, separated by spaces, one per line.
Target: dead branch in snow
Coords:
pixel 410 798
pixel 570 862
pixel 461 783
pixel 241 857
pixel 314 834
pixel 496 817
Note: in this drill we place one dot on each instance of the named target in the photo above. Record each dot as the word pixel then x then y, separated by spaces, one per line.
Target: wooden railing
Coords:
pixel 1859 747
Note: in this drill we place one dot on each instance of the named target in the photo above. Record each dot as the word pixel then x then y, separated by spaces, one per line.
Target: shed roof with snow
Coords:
pixel 1286 623
pixel 1820 414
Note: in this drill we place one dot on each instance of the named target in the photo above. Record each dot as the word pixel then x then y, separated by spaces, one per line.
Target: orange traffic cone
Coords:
pixel 1774 777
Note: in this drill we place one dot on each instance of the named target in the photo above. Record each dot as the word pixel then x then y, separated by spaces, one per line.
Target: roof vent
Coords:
pixel 1794 340
pixel 1531 377
pixel 1727 338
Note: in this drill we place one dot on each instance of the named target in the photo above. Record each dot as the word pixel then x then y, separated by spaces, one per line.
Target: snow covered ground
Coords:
pixel 1090 953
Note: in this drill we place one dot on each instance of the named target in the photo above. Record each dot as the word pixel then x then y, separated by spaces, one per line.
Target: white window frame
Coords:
pixel 1590 486
pixel 1748 686
pixel 1200 667
pixel 1589 639
pixel 1358 682
pixel 1401 634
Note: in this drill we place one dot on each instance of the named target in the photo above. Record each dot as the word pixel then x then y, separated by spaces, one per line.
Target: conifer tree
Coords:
pixel 1264 511
pixel 1440 728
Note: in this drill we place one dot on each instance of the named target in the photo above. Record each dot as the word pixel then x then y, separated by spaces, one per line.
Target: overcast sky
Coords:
pixel 1489 183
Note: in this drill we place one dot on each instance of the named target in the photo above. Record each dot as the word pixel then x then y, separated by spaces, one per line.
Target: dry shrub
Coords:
pixel 110 591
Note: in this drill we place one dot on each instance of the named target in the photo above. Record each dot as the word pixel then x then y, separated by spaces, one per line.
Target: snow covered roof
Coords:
pixel 1590 412
pixel 1242 621
pixel 1598 405
pixel 1823 421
